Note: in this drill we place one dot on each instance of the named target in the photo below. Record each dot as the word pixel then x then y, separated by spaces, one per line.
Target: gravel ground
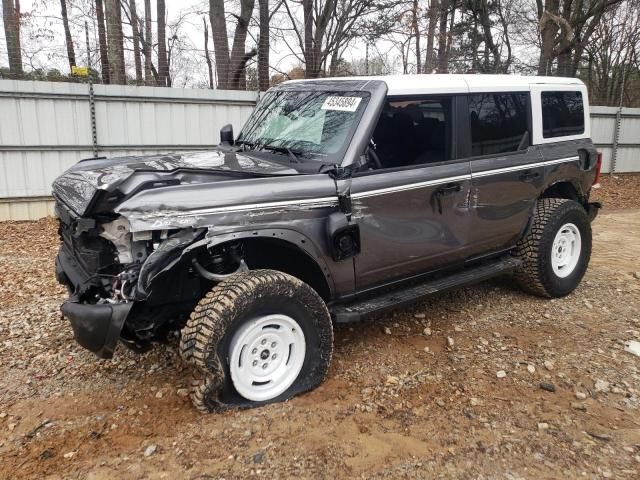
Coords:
pixel 618 191
pixel 485 382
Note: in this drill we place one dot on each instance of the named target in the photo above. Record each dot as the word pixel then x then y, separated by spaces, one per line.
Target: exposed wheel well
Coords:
pixel 562 190
pixel 275 254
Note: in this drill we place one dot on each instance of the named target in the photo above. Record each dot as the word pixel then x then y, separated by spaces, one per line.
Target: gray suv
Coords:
pixel 338 200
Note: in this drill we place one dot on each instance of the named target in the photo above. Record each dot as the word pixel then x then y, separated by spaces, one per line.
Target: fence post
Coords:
pixel 92 110
pixel 92 99
pixel 616 130
pixel 616 139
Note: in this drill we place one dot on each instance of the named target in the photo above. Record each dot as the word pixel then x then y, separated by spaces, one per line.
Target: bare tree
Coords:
pixel 565 28
pixel 134 21
pixel 11 19
pixel 115 47
pixel 206 52
pixel 429 64
pixel 443 57
pixel 613 57
pixel 328 26
pixel 415 13
pixel 263 45
pixel 231 65
pixel 163 59
pixel 148 40
pixel 71 54
pixel 102 42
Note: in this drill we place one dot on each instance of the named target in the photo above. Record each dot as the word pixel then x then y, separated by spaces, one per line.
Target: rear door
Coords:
pixel 507 172
pixel 413 212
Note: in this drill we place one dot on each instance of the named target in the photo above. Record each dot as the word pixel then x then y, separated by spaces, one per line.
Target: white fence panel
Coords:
pixel 603 128
pixel 45 127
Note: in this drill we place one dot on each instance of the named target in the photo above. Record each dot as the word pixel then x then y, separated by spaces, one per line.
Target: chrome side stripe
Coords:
pixel 305 202
pixel 497 171
pixel 458 178
pixel 411 186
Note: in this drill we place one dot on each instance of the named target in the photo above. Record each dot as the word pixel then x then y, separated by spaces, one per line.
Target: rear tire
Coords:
pixel 259 337
pixel 556 251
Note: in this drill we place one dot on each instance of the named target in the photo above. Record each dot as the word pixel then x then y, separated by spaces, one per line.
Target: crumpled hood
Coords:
pixel 81 184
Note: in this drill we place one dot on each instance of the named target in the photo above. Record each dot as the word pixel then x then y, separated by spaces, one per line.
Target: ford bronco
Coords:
pixel 339 199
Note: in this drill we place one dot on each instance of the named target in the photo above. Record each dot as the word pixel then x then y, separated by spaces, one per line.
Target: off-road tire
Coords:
pixel 206 337
pixel 536 274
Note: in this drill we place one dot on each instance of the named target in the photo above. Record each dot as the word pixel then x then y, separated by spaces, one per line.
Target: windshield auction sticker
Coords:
pixel 344 104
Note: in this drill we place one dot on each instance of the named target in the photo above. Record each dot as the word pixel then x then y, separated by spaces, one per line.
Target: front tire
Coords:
pixel 258 337
pixel 556 251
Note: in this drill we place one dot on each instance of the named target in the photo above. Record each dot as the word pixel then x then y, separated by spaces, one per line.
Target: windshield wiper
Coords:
pixel 244 143
pixel 274 148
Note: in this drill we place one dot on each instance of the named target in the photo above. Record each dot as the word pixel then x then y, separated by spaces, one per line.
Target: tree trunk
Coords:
pixel 433 19
pixel 11 19
pixel 452 21
pixel 238 59
pixel 115 47
pixel 263 46
pixel 442 37
pixel 206 52
pixel 220 41
pixel 548 30
pixel 136 40
pixel 416 33
pixel 307 12
pixel 490 45
pixel 102 42
pixel 71 54
pixel 163 60
pixel 148 41
pixel 507 42
pixel 230 66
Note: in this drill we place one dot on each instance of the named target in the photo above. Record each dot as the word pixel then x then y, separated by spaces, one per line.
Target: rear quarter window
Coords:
pixel 562 114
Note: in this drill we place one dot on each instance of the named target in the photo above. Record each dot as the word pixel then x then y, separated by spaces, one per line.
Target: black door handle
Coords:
pixel 529 176
pixel 449 190
pixel 443 192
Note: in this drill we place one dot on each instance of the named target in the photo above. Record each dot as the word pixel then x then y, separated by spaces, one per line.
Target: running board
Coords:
pixel 355 311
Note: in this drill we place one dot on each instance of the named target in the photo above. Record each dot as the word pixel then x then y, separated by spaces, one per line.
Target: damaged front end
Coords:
pixel 122 281
pixel 123 284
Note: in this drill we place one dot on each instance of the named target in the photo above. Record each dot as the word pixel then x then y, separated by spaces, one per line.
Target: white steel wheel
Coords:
pixel 565 252
pixel 266 355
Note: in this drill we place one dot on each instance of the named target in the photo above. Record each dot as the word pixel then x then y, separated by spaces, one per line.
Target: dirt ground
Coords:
pixel 413 395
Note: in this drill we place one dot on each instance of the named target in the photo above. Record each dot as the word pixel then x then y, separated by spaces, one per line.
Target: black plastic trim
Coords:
pixel 97 327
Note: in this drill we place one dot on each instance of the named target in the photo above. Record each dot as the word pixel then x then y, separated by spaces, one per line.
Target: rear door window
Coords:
pixel 562 114
pixel 498 122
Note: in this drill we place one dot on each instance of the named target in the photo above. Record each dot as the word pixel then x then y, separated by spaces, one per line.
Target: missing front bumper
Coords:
pixel 97 327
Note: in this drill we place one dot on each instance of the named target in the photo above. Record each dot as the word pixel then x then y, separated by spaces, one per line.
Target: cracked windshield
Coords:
pixel 302 123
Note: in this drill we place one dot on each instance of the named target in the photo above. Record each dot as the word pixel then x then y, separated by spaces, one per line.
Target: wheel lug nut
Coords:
pixel 264 341
pixel 265 365
pixel 273 344
pixel 254 351
pixel 255 362
pixel 274 356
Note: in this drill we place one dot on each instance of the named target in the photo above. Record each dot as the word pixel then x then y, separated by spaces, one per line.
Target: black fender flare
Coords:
pixel 292 237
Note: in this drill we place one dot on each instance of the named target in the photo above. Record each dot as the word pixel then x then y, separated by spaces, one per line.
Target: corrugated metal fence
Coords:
pixel 46 127
pixel 616 133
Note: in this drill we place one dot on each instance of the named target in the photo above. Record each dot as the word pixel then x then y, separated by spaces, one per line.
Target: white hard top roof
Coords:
pixel 451 83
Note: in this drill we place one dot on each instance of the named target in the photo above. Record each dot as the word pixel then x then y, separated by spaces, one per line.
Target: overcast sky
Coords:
pixel 44 45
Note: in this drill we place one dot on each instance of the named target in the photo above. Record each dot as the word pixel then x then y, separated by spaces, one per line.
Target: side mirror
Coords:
pixel 226 135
